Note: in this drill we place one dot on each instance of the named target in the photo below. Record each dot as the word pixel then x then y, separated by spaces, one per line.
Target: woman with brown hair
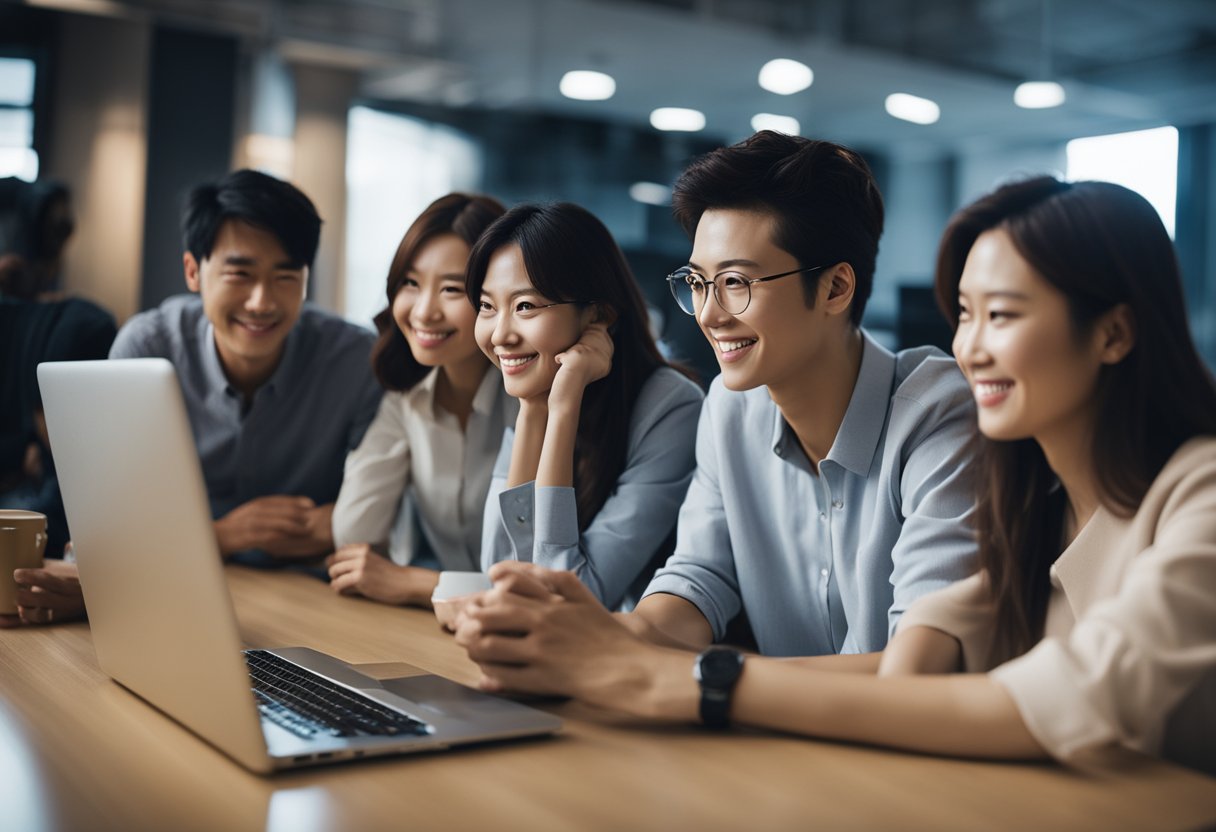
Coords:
pixel 415 487
pixel 1092 622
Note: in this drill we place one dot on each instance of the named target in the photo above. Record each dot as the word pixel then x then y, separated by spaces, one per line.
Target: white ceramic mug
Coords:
pixel 452 592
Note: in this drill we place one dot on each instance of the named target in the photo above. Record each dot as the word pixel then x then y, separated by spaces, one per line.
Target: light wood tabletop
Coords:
pixel 79 752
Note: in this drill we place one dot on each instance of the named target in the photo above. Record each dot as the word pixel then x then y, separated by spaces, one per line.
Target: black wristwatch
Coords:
pixel 717 669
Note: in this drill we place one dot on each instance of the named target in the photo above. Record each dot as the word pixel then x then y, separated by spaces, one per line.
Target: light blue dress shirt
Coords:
pixel 294 435
pixel 615 555
pixel 826 563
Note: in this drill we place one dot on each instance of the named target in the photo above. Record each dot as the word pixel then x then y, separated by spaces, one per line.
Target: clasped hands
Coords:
pixel 282 526
pixel 542 631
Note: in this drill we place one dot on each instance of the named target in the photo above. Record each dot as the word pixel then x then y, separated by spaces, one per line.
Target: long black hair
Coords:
pixel 571 256
pixel 1101 245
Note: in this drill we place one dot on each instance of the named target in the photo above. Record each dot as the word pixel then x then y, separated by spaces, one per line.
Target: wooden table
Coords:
pixel 78 752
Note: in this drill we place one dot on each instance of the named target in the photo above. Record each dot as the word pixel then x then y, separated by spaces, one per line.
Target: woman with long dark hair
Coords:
pixel 1092 622
pixel 592 477
pixel 415 487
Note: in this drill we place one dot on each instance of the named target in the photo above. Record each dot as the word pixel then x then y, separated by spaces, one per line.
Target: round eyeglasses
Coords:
pixel 732 290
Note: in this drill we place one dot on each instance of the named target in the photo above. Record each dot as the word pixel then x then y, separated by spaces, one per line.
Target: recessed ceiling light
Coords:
pixel 1039 95
pixel 677 118
pixel 587 85
pixel 781 124
pixel 785 77
pixel 913 108
pixel 651 193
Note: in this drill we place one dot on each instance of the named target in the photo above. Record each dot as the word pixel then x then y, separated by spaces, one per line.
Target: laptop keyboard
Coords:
pixel 309 705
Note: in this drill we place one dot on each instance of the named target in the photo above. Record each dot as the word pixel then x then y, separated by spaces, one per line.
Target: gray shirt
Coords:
pixel 614 556
pixel 826 563
pixel 294 436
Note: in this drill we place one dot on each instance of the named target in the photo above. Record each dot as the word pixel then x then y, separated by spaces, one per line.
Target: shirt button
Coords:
pixel 521 519
pixel 779 451
pixel 837 503
pixel 823 572
pixel 823 515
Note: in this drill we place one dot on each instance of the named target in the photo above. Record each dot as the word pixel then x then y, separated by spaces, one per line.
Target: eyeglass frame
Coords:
pixel 677 275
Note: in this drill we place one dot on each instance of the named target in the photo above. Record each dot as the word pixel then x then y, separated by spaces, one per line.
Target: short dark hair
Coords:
pixel 1101 246
pixel 466 216
pixel 821 195
pixel 259 200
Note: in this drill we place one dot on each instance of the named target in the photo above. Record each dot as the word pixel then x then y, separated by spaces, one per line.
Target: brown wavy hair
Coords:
pixel 466 216
pixel 1101 245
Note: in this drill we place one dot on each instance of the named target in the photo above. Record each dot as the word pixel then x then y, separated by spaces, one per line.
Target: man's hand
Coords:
pixel 542 631
pixel 289 527
pixel 48 595
pixel 357 569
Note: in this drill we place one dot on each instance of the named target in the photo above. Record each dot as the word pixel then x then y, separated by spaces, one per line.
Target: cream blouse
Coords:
pixel 1129 652
pixel 417 470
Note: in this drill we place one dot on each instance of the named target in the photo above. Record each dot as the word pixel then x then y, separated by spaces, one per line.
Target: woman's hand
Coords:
pixel 589 360
pixel 357 569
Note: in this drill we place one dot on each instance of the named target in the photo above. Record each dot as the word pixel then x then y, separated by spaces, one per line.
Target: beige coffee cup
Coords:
pixel 22 542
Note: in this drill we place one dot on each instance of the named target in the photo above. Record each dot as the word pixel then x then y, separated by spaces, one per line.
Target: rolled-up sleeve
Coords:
pixel 937 544
pixel 1131 658
pixel 374 479
pixel 702 568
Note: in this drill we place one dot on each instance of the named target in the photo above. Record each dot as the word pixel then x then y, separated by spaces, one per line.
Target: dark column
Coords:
pixel 190 128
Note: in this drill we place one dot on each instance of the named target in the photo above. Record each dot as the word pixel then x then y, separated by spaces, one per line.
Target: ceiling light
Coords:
pixel 785 77
pixel 587 85
pixel 1038 95
pixel 913 108
pixel 780 124
pixel 677 118
pixel 651 193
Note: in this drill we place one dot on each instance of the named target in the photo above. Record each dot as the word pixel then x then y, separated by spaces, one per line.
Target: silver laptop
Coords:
pixel 162 619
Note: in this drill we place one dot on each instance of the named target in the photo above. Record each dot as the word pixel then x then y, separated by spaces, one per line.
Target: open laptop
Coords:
pixel 161 615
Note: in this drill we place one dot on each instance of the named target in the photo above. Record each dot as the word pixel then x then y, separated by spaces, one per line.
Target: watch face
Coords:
pixel 719 667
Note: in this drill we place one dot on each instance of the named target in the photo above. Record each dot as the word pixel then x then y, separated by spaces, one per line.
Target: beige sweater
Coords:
pixel 1129 651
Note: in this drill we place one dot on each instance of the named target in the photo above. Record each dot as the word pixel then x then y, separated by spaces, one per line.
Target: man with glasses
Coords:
pixel 833 481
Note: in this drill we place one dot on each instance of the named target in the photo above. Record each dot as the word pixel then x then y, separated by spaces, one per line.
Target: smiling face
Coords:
pixel 520 337
pixel 777 337
pixel 431 308
pixel 1032 373
pixel 252 295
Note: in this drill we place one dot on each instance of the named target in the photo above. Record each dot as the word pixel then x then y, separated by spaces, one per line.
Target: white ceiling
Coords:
pixel 1124 63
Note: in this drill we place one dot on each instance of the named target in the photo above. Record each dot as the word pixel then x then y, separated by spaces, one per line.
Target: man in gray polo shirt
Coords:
pixel 833 482
pixel 277 391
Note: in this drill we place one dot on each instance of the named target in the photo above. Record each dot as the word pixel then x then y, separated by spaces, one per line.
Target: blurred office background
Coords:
pixel 375 107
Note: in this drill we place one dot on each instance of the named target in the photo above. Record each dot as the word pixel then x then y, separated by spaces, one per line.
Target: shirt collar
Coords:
pixel 284 374
pixel 1080 567
pixel 422 394
pixel 866 417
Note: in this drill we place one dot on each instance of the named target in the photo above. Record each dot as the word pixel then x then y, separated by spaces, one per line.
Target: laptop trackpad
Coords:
pixel 438 695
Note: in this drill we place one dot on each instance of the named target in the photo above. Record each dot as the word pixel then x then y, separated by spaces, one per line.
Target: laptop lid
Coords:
pixel 132 486
pixel 162 617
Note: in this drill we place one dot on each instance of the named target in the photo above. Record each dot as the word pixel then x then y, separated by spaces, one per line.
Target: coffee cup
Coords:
pixel 453 592
pixel 22 542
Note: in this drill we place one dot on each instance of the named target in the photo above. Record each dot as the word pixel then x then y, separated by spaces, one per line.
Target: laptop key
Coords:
pixel 307 704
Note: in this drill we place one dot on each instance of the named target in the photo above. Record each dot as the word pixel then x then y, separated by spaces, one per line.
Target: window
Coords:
pixel 395 167
pixel 17 156
pixel 1145 161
